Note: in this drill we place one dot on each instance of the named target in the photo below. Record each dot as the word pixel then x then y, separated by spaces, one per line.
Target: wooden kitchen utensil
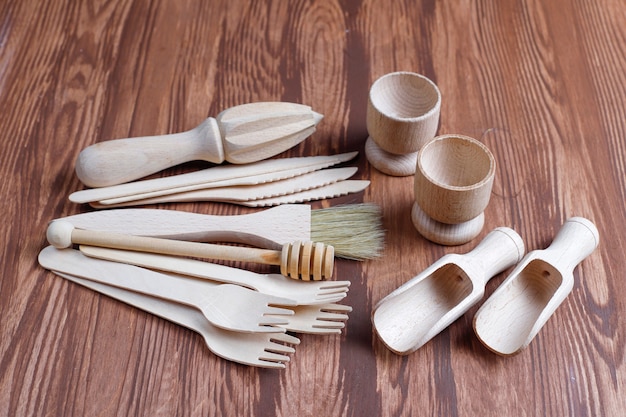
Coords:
pixel 421 308
pixel 402 115
pixel 452 188
pixel 266 350
pixel 242 192
pixel 354 230
pixel 321 319
pixel 302 292
pixel 228 306
pixel 218 176
pixel 514 314
pixel 298 260
pixel 242 134
pixel 324 192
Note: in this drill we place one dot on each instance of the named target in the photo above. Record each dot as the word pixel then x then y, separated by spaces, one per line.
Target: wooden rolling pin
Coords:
pixel 298 260
pixel 240 135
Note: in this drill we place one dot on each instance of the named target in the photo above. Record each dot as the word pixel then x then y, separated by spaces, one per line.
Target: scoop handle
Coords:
pixel 500 249
pixel 576 240
pixel 122 160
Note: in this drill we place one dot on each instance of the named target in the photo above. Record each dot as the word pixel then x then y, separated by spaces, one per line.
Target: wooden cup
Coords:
pixel 402 115
pixel 453 180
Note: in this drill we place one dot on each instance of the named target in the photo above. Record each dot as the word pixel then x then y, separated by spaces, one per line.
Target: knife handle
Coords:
pixel 122 160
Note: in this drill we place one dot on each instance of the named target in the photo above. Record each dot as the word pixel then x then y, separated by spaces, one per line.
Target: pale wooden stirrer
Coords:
pixel 298 260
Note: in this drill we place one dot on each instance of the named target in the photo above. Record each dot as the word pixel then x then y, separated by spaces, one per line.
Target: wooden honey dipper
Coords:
pixel 298 260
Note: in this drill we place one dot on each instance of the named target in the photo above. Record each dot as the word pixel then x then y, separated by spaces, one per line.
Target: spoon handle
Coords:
pixel 122 160
pixel 576 240
pixel 500 249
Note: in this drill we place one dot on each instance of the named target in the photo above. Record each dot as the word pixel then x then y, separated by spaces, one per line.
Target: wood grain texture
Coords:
pixel 542 84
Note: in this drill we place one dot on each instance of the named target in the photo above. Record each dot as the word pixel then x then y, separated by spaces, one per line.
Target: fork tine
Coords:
pixel 334 284
pixel 330 298
pixel 271 357
pixel 269 364
pixel 326 291
pixel 285 338
pixel 332 317
pixel 337 308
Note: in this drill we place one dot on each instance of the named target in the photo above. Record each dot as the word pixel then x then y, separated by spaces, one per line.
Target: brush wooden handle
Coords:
pixel 297 260
pixel 269 229
pixel 241 134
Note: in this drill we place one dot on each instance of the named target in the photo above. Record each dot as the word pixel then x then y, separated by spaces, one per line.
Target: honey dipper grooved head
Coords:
pixel 307 261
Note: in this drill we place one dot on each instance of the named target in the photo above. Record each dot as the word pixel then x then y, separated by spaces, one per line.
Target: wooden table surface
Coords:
pixel 541 83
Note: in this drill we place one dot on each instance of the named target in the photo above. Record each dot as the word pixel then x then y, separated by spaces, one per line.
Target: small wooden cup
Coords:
pixel 453 182
pixel 402 115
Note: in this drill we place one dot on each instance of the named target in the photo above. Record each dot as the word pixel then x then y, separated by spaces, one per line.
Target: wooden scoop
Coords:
pixel 513 315
pixel 240 135
pixel 421 308
pixel 298 260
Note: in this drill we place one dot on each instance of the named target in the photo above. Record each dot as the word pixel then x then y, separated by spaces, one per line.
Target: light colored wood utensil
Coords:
pixel 321 319
pixel 337 189
pixel 242 192
pixel 230 307
pixel 302 292
pixel 354 230
pixel 402 115
pixel 513 315
pixel 219 176
pixel 240 135
pixel 297 260
pixel 421 308
pixel 452 188
pixel 266 350
pixel 318 319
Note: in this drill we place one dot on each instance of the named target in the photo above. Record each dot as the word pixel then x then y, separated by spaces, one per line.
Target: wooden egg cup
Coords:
pixel 402 115
pixel 453 182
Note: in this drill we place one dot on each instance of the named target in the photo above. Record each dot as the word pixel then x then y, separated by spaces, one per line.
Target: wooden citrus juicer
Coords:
pixel 240 135
pixel 421 308
pixel 513 315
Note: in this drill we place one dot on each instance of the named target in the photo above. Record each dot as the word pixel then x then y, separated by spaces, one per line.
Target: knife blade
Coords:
pixel 217 176
pixel 337 189
pixel 246 192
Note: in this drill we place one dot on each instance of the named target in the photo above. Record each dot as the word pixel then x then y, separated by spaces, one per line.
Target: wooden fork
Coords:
pixel 228 306
pixel 267 350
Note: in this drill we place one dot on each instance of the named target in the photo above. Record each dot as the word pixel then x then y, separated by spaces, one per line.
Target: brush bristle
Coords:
pixel 355 230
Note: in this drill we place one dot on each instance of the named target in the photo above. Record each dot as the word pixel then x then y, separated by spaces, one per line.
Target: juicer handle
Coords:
pixel 576 240
pixel 122 160
pixel 501 248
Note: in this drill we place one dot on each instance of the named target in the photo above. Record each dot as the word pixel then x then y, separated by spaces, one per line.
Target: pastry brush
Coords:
pixel 355 230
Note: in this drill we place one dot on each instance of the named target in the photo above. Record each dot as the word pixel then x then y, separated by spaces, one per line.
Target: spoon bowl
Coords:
pixel 514 314
pixel 424 306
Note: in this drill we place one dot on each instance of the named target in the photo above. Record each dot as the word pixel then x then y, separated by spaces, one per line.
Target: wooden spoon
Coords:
pixel 518 309
pixel 421 308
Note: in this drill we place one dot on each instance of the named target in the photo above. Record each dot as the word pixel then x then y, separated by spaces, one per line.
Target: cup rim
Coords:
pixel 425 115
pixel 486 179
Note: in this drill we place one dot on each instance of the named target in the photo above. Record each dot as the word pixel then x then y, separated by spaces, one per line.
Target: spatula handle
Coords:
pixel 121 160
